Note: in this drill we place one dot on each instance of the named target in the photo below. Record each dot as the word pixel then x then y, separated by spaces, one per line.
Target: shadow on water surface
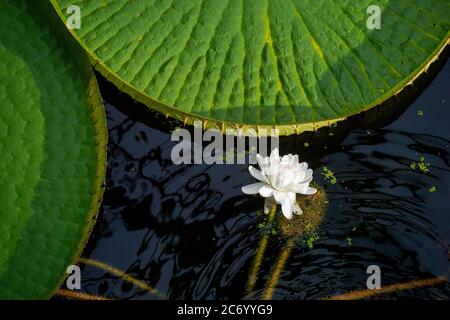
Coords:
pixel 188 230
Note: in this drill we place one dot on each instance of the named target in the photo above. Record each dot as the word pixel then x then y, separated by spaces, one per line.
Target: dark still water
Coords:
pixel 189 231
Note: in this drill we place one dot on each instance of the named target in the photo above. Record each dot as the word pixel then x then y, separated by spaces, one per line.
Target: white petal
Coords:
pixel 286 159
pixel 263 162
pixel 257 174
pixel 302 188
pixel 289 160
pixel 297 210
pixel 272 173
pixel 275 154
pixel 303 166
pixel 302 175
pixel 292 198
pixel 285 179
pixel 285 199
pixel 298 187
pixel 274 159
pixel 299 176
pixel 280 196
pixel 310 190
pixel 286 208
pixel 253 188
pixel 266 191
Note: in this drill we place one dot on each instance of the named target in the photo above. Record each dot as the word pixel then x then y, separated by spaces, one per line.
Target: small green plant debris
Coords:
pixel 349 241
pixel 420 113
pixel 432 189
pixel 269 228
pixel 421 166
pixel 306 144
pixel 311 239
pixel 328 175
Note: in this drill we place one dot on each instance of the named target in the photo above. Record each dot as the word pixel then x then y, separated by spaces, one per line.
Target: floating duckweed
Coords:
pixel 328 175
pixel 268 227
pixel 349 241
pixel 432 189
pixel 420 113
pixel 421 166
pixel 311 239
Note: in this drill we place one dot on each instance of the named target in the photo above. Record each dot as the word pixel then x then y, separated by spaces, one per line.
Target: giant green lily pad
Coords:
pixel 294 64
pixel 52 146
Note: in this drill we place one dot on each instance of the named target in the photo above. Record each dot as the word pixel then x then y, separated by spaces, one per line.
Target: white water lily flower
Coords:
pixel 281 179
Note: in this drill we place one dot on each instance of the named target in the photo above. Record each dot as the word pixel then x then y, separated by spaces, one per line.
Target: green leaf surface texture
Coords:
pixel 293 64
pixel 52 149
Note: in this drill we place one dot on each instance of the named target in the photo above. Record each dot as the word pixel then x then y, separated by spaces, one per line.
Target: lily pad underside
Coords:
pixel 52 146
pixel 292 64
